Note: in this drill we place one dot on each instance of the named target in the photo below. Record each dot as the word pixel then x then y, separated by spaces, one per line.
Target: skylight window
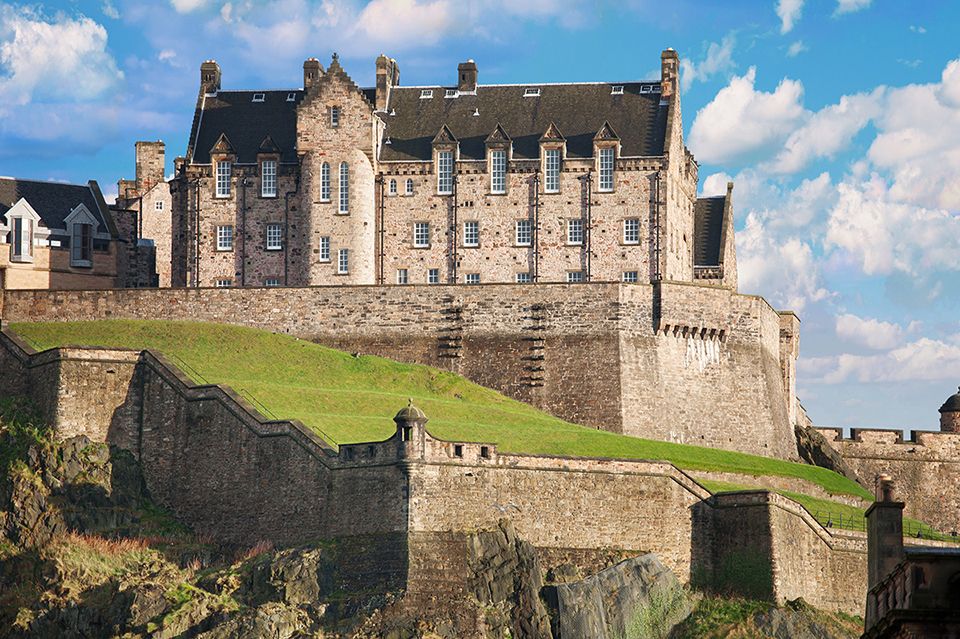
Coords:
pixel 259 97
pixel 291 97
pixel 426 93
pixel 617 89
pixel 531 92
pixel 451 93
pixel 646 88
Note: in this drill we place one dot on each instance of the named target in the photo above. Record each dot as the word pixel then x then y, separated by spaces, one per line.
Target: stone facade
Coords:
pixel 670 361
pixel 146 201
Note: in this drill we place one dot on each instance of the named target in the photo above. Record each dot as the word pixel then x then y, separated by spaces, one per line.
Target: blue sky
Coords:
pixel 838 120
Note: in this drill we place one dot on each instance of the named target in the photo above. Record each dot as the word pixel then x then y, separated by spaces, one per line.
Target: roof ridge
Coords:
pixel 56 182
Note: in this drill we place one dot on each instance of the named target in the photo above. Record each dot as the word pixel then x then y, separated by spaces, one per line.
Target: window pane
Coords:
pixel 445 172
pixel 574 231
pixel 224 238
pixel 325 182
pixel 343 261
pixel 268 179
pixel 524 232
pixel 631 231
pixel 325 249
pixel 433 276
pixel 421 234
pixel 498 171
pixel 223 179
pixel 606 169
pixel 552 183
pixel 274 237
pixel 409 186
pixel 471 233
pixel 401 276
pixel 344 188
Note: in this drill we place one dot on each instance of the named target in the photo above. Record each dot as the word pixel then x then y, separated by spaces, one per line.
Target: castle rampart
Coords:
pixel 672 361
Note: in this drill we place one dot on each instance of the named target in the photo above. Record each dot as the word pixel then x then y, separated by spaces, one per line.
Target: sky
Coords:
pixel 837 120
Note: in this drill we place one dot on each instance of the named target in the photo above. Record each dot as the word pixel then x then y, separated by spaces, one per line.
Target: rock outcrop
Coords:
pixel 815 449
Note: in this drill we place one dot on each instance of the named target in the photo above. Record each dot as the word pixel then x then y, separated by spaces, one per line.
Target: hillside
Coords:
pixel 350 399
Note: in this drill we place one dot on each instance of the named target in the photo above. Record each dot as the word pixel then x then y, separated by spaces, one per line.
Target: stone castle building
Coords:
pixel 462 183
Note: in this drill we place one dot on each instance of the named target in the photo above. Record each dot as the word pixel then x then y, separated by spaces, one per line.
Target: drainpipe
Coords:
pixel 243 231
pixel 196 257
pixel 536 226
pixel 286 227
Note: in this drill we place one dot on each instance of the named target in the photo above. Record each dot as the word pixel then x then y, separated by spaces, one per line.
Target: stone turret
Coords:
pixel 950 414
pixel 411 429
pixel 312 72
pixel 884 532
pixel 467 76
pixel 210 76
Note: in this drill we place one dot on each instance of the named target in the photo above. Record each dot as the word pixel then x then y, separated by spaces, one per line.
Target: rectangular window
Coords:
pixel 631 230
pixel 158 205
pixel 523 278
pixel 268 179
pixel 617 89
pixel 224 238
pixel 498 171
pixel 445 172
pixel 471 233
pixel 421 234
pixel 606 169
pixel 271 281
pixel 630 277
pixel 223 283
pixel 325 182
pixel 335 117
pixel 344 187
pixel 223 179
pixel 433 276
pixel 259 97
pixel 575 231
pixel 451 93
pixel 472 278
pixel 325 249
pixel 22 238
pixel 274 237
pixel 343 261
pixel 426 93
pixel 81 245
pixel 531 92
pixel 402 276
pixel 551 183
pixel 574 277
pixel 524 234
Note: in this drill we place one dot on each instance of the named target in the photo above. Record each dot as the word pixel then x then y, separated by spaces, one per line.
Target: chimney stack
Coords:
pixel 388 76
pixel 312 72
pixel 669 73
pixel 150 165
pixel 467 76
pixel 210 76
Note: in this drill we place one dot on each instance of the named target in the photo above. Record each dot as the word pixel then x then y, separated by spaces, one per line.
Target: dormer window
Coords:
pixel 268 178
pixel 81 245
pixel 444 172
pixel 291 97
pixel 531 92
pixel 551 183
pixel 451 93
pixel 426 93
pixel 498 171
pixel 22 240
pixel 259 97
pixel 617 89
pixel 335 117
pixel 606 168
pixel 223 178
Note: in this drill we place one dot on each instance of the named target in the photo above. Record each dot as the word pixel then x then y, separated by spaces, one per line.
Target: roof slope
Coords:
pixel 708 230
pixel 578 110
pixel 53 201
pixel 246 123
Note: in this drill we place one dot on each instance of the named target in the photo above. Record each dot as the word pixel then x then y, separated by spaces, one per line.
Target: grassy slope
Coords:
pixel 348 399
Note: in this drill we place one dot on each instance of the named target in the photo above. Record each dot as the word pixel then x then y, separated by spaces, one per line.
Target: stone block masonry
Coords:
pixel 672 361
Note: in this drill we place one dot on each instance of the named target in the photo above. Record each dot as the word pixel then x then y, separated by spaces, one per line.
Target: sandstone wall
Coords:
pixel 677 362
pixel 925 469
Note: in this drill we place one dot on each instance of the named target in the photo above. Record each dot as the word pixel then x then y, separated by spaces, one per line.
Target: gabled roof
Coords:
pixel 269 146
pixel 552 134
pixel 708 230
pixel 444 136
pixel 222 145
pixel 54 201
pixel 606 132
pixel 498 135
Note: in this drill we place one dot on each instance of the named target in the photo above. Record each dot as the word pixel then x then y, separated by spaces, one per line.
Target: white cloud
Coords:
pixel 226 12
pixel 741 120
pixel 796 49
pixel 110 10
pixel 166 54
pixel 188 6
pixel 394 22
pixel 718 58
pixel 851 6
pixel 918 29
pixel 62 57
pixel 868 332
pixel 789 12
pixel 828 131
pixel 923 359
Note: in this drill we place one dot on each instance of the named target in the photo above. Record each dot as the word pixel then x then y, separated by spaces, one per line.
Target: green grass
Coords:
pixel 350 399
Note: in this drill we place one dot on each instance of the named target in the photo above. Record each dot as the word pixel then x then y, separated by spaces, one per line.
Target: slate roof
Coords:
pixel 54 201
pixel 246 123
pixel 579 111
pixel 708 230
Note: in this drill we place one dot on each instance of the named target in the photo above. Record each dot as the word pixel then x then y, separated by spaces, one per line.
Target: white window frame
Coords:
pixel 225 237
pixel 421 235
pixel 523 277
pixel 574 277
pixel 393 186
pixel 444 172
pixel 531 92
pixel 259 97
pixel 223 178
pixel 616 89
pixel 344 188
pixel 426 93
pixel 471 278
pixel 471 233
pixel 325 248
pixel 81 248
pixel 408 189
pixel 272 282
pixel 274 236
pixel 222 282
pixel 498 171
pixel 343 261
pixel 403 276
pixel 575 232
pixel 523 232
pixel 551 170
pixel 606 158
pixel 325 182
pixel 268 178
pixel 631 230
pixel 21 249
pixel 630 277
pixel 158 205
pixel 433 276
pixel 335 117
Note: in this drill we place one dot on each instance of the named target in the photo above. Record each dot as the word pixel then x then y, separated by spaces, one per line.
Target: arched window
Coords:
pixel 409 190
pixel 325 182
pixel 344 188
pixel 393 187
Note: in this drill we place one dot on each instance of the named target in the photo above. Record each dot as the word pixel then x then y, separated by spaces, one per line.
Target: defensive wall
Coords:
pixel 225 470
pixel 925 467
pixel 672 361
